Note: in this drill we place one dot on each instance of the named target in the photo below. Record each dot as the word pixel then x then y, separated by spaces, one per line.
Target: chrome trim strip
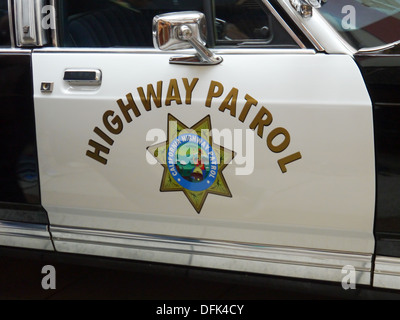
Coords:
pixel 387 272
pixel 14 50
pixel 26 235
pixel 243 257
pixel 264 51
pixel 284 24
pixel 379 48
pixel 54 32
pixel 295 17
pixel 11 23
pixel 227 51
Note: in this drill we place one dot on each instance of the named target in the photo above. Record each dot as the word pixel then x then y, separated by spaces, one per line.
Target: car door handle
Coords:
pixel 83 77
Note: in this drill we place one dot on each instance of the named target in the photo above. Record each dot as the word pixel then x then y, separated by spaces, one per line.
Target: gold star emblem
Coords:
pixel 192 162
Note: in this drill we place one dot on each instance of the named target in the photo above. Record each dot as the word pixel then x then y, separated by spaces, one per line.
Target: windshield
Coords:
pixel 364 23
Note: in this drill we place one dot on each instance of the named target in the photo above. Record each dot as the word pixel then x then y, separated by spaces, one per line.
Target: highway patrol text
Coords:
pixel 277 140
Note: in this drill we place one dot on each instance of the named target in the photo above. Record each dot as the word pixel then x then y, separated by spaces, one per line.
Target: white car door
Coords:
pixel 287 186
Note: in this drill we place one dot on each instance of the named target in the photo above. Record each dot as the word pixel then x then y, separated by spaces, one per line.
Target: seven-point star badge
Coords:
pixel 192 162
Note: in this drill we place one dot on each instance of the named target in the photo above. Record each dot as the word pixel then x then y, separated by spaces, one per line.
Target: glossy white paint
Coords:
pixel 325 201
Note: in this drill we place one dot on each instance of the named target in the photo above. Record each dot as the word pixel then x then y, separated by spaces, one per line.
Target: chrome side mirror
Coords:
pixel 183 30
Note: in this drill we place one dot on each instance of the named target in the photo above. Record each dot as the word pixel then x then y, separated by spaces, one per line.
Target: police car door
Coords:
pixel 254 156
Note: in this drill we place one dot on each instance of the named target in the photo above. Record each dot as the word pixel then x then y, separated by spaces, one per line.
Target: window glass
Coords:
pixel 128 23
pixel 248 23
pixel 116 23
pixel 365 23
pixel 4 25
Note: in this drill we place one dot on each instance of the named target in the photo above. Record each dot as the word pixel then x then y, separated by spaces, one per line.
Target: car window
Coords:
pixel 4 25
pixel 365 23
pixel 248 23
pixel 115 23
pixel 128 23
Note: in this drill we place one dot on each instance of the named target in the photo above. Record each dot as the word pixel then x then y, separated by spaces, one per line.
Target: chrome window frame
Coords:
pixel 11 23
pixel 284 24
pixel 54 39
pixel 44 37
pixel 318 30
pixel 39 36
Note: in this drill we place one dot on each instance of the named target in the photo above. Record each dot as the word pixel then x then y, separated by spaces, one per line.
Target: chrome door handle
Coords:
pixel 83 77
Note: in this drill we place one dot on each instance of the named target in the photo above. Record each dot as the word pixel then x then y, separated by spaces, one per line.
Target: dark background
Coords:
pixel 82 278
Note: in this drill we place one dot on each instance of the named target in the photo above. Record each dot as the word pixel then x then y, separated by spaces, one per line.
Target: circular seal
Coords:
pixel 192 162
